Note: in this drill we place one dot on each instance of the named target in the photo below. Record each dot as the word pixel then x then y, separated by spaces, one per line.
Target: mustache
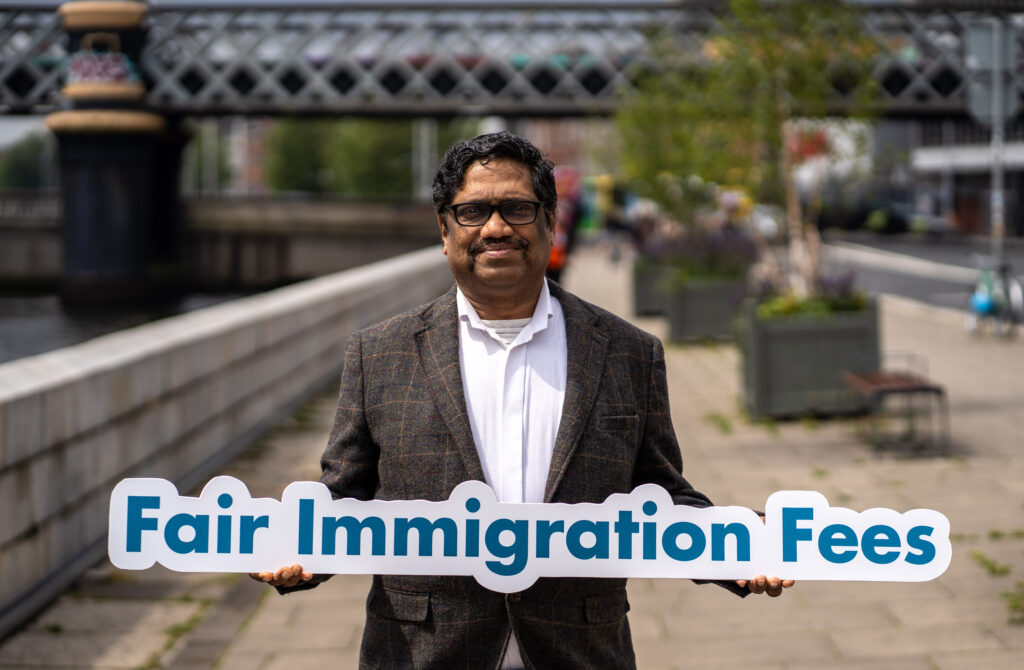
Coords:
pixel 480 246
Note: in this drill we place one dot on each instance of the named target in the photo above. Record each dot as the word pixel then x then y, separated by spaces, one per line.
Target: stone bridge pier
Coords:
pixel 119 166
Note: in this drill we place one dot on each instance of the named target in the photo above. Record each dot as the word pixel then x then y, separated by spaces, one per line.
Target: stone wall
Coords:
pixel 175 399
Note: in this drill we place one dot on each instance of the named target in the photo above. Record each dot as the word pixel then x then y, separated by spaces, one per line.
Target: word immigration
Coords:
pixel 508 546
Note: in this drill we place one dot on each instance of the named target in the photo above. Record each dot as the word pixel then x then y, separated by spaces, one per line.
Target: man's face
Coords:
pixel 497 260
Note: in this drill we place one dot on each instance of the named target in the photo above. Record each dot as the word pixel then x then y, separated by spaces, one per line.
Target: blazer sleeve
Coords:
pixel 349 464
pixel 659 460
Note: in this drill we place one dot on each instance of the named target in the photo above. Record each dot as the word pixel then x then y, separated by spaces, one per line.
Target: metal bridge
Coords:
pixel 413 57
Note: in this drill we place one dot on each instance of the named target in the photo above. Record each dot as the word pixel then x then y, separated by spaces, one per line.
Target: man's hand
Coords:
pixel 771 585
pixel 290 575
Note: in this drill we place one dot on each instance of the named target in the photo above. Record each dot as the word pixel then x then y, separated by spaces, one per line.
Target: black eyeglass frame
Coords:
pixel 537 206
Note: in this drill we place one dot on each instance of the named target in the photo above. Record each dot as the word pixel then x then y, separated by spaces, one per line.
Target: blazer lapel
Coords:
pixel 438 346
pixel 586 347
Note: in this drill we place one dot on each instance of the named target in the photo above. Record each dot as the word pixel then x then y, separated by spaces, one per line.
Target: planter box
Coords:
pixel 649 281
pixel 703 309
pixel 793 365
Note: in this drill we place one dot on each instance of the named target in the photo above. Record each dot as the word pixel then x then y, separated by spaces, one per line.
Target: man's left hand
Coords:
pixel 773 586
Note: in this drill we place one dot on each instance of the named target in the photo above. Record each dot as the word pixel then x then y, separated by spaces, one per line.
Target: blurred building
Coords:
pixel 951 162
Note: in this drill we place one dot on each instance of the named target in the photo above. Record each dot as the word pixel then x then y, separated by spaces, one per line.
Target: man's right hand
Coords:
pixel 290 575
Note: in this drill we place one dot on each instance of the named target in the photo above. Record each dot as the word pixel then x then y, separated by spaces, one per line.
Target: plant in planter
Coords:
pixel 796 349
pixel 649 298
pixel 750 110
pixel 707 278
pixel 650 265
pixel 662 238
pixel 808 327
pixel 694 274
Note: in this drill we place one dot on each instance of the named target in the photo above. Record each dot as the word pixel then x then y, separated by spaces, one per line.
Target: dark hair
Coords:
pixel 452 172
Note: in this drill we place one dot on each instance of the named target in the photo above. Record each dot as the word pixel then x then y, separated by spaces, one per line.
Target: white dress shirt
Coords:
pixel 514 394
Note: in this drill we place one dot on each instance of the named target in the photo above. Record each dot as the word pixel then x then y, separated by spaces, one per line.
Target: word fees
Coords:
pixel 508 546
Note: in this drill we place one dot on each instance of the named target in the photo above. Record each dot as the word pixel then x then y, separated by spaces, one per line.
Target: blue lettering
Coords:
pixel 670 541
pixel 599 529
pixel 138 523
pixel 472 537
pixel 837 535
pixel 247 527
pixel 224 525
pixel 545 529
pixel 353 532
pixel 223 534
pixel 306 525
pixel 626 528
pixel 200 525
pixel 791 534
pixel 650 537
pixel 425 529
pixel 517 551
pixel 915 540
pixel 739 531
pixel 472 529
pixel 877 537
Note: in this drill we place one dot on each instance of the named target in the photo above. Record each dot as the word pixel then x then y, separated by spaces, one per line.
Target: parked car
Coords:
pixel 902 217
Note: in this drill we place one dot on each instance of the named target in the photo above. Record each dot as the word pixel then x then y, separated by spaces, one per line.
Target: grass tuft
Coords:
pixel 810 422
pixel 1015 603
pixel 719 421
pixel 993 567
pixel 179 629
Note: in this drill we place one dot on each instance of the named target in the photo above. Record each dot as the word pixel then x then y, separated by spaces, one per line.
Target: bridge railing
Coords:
pixel 32 52
pixel 412 57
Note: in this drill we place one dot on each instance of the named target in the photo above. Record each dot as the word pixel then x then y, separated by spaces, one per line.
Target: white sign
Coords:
pixel 508 546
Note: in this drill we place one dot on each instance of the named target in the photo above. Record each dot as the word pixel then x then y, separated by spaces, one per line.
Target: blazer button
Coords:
pixel 515 597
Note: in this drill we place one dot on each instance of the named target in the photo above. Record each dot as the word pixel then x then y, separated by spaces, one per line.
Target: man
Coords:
pixel 510 380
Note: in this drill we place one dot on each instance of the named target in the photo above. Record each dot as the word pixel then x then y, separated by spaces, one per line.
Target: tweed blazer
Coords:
pixel 402 432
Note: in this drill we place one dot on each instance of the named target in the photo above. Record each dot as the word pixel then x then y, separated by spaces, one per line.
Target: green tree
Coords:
pixel 22 163
pixel 206 138
pixel 356 157
pixel 297 156
pixel 727 113
pixel 456 129
pixel 374 157
pixel 371 158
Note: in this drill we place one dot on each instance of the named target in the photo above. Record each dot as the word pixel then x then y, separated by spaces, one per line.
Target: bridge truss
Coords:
pixel 413 57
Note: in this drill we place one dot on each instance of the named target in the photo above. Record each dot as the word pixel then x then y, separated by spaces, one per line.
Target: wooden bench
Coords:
pixel 876 385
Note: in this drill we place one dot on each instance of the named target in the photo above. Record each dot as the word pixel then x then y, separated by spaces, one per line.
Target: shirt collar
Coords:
pixel 541 314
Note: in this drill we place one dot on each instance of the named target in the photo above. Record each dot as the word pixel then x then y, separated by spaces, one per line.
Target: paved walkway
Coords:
pixel 157 618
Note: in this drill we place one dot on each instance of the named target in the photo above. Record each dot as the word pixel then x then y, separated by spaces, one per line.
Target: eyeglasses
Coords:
pixel 513 212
